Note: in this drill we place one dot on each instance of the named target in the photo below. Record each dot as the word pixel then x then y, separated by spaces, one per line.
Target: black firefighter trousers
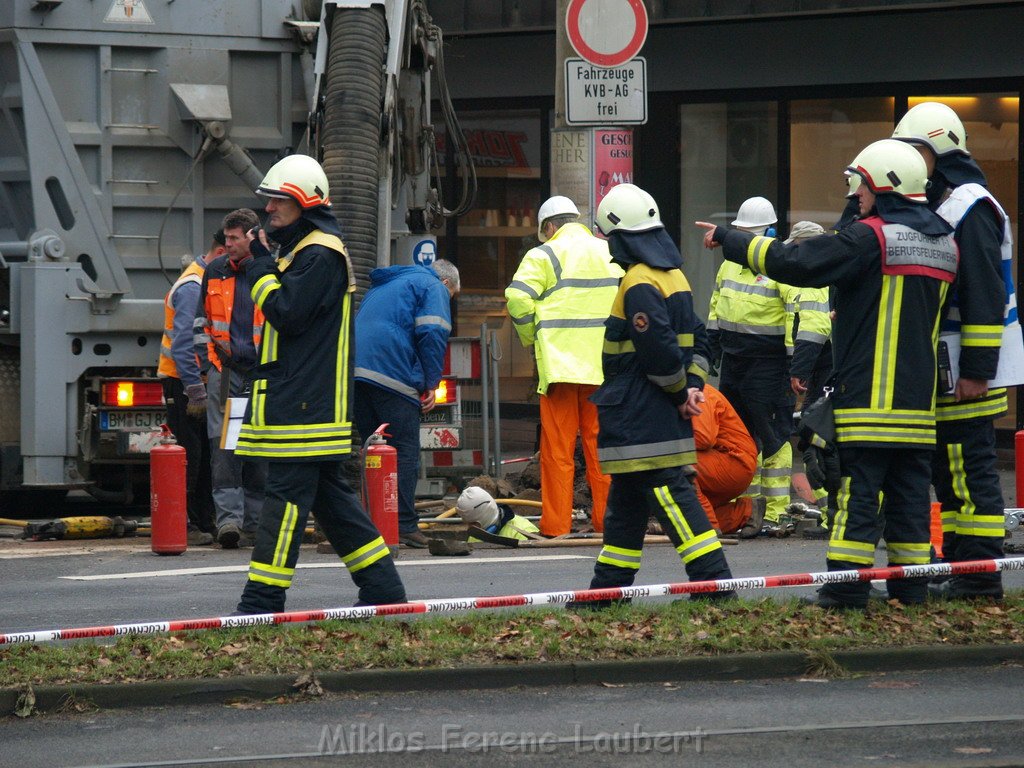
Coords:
pixel 669 496
pixel 967 485
pixel 902 476
pixel 292 490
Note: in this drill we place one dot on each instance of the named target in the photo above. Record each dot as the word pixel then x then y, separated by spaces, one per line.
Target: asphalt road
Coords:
pixel 951 718
pixel 59 585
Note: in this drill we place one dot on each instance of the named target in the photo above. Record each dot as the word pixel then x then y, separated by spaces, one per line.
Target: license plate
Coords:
pixel 131 421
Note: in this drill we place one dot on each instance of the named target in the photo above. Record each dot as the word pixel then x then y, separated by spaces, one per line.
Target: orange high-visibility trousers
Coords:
pixel 566 411
pixel 721 478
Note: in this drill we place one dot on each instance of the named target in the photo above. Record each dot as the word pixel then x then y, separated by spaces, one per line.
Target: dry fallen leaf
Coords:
pixel 26 703
pixel 308 684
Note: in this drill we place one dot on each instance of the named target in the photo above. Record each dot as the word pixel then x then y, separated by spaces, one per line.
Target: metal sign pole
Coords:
pixel 484 389
pixel 495 356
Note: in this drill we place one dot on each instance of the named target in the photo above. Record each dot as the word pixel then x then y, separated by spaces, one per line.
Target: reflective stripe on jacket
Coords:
pixel 301 393
pixel 559 299
pixel 751 314
pixel 649 363
pixel 193 273
pixel 888 297
pixel 985 327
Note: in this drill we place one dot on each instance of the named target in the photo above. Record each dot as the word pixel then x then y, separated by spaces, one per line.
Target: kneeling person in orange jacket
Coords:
pixel 726 461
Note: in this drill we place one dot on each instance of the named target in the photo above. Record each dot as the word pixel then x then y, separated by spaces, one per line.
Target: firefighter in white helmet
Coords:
pixel 299 416
pixel 892 270
pixel 655 363
pixel 981 334
pixel 477 507
pixel 558 300
pixel 750 325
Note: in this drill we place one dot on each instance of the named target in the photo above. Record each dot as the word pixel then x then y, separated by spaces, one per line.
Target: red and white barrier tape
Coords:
pixel 451 605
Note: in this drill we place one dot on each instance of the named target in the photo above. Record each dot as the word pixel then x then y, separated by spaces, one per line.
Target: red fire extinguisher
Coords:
pixel 167 509
pixel 380 484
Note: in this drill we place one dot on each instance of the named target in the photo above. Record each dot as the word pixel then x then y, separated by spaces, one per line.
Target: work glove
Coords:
pixel 257 248
pixel 196 407
pixel 822 467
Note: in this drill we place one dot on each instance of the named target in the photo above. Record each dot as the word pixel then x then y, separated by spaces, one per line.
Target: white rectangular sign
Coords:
pixel 606 95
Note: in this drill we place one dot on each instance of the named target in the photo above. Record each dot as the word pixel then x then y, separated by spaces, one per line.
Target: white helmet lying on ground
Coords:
pixel 477 506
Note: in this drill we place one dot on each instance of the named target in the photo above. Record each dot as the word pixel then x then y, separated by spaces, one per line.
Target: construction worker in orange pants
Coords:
pixel 559 299
pixel 726 462
pixel 565 409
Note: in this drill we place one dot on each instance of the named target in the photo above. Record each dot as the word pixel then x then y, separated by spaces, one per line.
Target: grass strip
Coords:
pixel 511 637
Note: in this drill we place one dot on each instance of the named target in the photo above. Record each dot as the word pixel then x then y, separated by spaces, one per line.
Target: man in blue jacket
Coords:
pixel 402 333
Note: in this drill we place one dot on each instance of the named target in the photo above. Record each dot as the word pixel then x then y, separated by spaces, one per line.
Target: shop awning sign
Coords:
pixel 606 95
pixel 607 33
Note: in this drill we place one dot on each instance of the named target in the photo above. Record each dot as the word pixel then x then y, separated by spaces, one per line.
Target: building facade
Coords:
pixel 745 97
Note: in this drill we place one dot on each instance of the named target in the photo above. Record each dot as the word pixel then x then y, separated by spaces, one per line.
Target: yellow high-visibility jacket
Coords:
pixel 751 315
pixel 559 299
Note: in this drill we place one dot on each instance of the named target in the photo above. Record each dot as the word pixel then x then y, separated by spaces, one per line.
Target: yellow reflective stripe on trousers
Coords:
pixel 904 553
pixel 692 546
pixel 620 557
pixel 270 574
pixel 699 546
pixel 366 555
pixel 958 478
pixel 285 533
pixel 842 503
pixel 981 525
pixel 886 341
pixel 847 551
pixel 948 517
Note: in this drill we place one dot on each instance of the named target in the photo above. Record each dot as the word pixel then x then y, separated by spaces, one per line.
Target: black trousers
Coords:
pixel 375 406
pixel 902 475
pixel 758 388
pixel 669 496
pixel 190 433
pixel 292 490
pixel 967 485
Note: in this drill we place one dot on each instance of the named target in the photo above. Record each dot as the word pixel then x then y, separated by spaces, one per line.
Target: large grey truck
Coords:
pixel 128 128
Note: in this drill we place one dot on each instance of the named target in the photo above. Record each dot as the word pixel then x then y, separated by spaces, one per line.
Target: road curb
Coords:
pixel 747 666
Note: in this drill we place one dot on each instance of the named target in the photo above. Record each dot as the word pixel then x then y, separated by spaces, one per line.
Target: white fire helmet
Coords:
pixel 890 167
pixel 299 178
pixel 559 205
pixel 627 208
pixel 934 125
pixel 477 506
pixel 755 213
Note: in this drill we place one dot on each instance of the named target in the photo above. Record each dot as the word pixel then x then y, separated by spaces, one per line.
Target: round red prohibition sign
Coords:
pixel 599 33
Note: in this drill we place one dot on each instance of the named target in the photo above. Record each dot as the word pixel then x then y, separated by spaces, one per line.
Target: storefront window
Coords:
pixel 729 153
pixel 825 135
